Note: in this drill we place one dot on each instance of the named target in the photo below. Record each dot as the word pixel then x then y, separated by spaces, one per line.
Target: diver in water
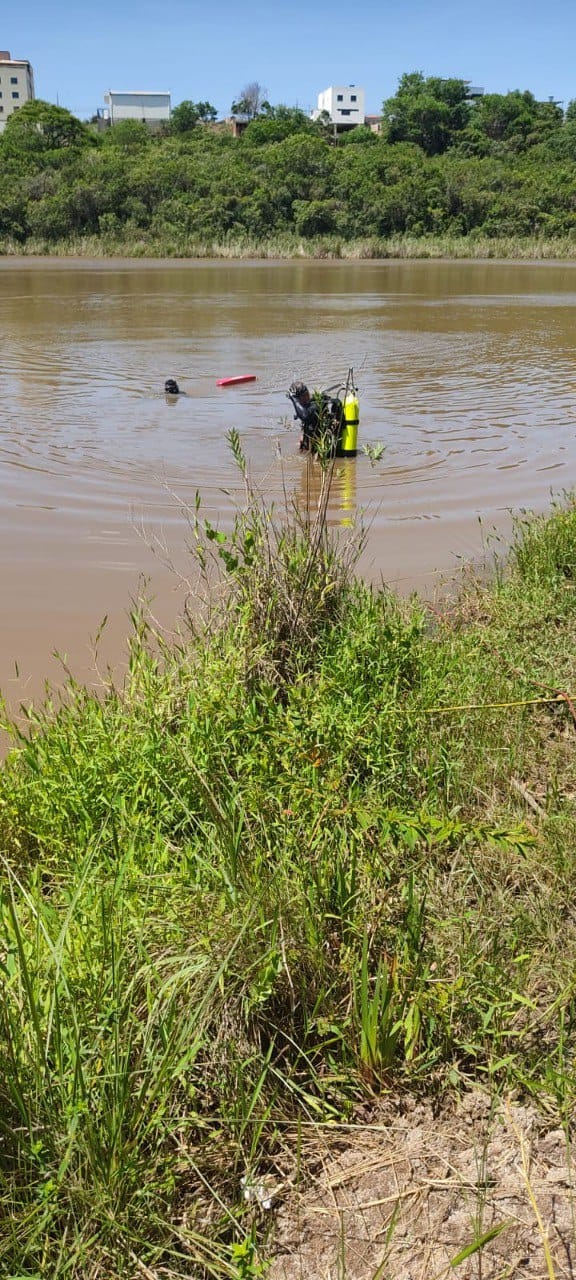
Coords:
pixel 321 416
pixel 171 387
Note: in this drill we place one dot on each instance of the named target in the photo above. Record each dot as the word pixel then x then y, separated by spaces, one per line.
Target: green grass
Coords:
pixel 273 873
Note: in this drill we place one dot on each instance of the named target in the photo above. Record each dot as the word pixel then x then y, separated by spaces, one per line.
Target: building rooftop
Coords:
pixel 140 93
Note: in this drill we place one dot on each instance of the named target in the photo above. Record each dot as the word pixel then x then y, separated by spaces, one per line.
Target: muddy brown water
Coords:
pixel 466 373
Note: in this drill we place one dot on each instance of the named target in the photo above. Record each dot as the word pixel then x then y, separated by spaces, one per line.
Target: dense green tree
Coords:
pixel 188 114
pixel 39 127
pixel 515 118
pixel 128 135
pixel 358 136
pixel 277 123
pixel 315 217
pixel 428 111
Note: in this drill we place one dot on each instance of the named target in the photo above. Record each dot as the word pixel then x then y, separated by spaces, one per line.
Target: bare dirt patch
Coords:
pixel 404 1195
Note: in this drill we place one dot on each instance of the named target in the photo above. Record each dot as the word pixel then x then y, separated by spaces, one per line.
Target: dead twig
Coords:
pixel 527 796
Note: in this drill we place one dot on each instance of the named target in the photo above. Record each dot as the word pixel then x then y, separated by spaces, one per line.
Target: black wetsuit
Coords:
pixel 318 418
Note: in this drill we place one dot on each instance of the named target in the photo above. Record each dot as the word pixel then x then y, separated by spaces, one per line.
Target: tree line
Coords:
pixel 500 165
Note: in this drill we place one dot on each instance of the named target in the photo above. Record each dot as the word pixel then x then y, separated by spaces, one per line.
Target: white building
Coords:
pixel 152 108
pixel 16 85
pixel 345 106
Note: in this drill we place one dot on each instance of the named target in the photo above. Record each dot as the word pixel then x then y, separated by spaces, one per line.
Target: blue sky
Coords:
pixel 211 50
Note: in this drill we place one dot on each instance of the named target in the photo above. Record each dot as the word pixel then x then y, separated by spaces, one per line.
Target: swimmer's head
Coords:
pixel 171 387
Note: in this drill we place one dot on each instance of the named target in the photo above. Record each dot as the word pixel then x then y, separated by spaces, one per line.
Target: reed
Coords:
pixel 288 245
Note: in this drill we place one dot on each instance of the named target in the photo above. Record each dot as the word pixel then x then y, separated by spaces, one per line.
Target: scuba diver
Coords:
pixel 321 416
pixel 172 392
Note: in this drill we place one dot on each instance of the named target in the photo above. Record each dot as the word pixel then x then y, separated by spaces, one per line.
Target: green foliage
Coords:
pixel 278 123
pixel 128 135
pixel 315 217
pixel 40 128
pixel 428 111
pixel 549 558
pixel 502 167
pixel 285 865
pixel 186 115
pixel 374 452
pixel 360 136
pixel 515 119
pixel 480 1241
pixel 244 1256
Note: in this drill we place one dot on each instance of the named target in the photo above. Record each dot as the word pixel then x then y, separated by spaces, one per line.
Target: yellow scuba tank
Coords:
pixel 349 438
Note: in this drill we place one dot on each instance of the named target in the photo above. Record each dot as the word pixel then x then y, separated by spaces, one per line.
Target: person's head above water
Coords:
pixel 171 387
pixel 299 391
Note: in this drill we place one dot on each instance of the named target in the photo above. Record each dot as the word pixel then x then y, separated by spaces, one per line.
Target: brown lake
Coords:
pixel 466 373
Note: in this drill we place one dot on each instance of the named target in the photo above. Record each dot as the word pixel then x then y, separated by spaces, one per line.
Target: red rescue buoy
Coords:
pixel 233 382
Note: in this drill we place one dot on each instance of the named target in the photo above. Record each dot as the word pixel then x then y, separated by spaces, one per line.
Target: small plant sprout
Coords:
pixel 374 452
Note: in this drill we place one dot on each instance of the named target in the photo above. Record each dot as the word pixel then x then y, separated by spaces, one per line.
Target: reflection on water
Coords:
pixel 343 510
pixel 466 374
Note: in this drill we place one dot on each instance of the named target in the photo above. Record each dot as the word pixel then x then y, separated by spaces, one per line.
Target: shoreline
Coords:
pixel 93 252
pixel 63 262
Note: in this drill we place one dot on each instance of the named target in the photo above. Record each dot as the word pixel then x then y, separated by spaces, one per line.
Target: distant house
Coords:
pixel 343 105
pixel 152 109
pixel 16 85
pixel 238 124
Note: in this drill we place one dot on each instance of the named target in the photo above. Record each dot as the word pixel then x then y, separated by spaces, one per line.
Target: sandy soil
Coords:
pixel 402 1194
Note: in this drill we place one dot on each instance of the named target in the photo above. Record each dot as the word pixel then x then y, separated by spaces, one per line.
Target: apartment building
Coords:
pixel 16 85
pixel 344 105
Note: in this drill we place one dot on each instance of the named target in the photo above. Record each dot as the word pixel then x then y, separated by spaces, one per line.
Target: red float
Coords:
pixel 233 382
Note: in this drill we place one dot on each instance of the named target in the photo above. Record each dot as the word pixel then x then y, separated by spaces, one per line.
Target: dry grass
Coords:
pixel 409 1193
pixel 286 246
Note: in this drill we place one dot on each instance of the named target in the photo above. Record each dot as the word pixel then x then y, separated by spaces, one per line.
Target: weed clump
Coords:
pixel 287 581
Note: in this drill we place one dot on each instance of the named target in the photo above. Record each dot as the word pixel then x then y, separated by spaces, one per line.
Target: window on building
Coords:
pixel 339 97
pixel 15 95
pixel 1 110
pixel 345 112
pixel 353 97
pixel 13 79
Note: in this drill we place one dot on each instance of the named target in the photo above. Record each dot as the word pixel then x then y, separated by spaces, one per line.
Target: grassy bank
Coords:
pixel 322 851
pixel 288 246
